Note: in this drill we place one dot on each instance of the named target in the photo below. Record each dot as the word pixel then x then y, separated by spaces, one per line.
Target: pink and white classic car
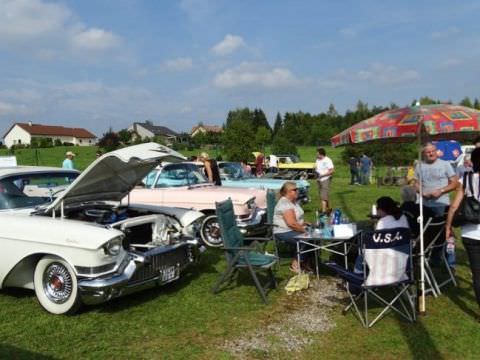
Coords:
pixel 183 185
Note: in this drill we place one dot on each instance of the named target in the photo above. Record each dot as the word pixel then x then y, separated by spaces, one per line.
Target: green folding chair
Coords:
pixel 242 256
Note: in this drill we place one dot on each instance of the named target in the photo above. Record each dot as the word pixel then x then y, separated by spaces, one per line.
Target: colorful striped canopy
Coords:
pixel 438 122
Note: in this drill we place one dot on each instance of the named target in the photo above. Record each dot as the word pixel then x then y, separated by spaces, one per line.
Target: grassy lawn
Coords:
pixel 184 320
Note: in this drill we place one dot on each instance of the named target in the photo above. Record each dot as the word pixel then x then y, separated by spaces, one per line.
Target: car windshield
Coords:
pixel 173 175
pixel 288 159
pixel 30 190
pixel 232 171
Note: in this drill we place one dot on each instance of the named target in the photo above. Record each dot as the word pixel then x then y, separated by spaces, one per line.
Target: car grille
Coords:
pixel 158 263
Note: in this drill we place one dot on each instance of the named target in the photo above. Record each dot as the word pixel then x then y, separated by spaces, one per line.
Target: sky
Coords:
pixel 103 64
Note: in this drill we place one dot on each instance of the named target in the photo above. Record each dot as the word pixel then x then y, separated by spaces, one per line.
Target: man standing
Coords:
pixel 438 179
pixel 68 162
pixel 365 167
pixel 272 164
pixel 354 164
pixel 324 169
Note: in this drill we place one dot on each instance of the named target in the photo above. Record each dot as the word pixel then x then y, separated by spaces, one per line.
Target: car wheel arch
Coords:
pixel 21 275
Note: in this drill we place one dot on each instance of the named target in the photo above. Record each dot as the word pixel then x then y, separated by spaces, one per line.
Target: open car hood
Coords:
pixel 113 175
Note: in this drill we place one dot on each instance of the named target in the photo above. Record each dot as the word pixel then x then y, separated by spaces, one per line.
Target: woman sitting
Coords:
pixel 391 217
pixel 288 219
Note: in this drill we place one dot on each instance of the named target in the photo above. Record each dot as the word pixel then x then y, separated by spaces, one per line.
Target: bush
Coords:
pixel 281 145
pixel 57 142
pixel 388 154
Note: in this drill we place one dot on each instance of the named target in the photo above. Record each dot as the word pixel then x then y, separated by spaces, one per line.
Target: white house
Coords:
pixel 202 129
pixel 22 133
pixel 148 130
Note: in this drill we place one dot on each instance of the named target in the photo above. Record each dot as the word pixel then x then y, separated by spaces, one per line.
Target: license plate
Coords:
pixel 169 273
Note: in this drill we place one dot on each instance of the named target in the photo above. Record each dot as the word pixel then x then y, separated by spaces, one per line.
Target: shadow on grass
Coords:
pixel 419 340
pixel 343 200
pixel 13 352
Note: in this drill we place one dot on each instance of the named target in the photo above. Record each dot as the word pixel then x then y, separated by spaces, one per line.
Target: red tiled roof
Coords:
pixel 49 130
pixel 208 128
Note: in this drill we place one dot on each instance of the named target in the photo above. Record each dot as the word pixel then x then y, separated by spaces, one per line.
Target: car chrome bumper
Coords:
pixel 256 225
pixel 157 266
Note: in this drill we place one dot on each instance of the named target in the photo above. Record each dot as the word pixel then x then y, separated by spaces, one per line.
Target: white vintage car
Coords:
pixel 67 237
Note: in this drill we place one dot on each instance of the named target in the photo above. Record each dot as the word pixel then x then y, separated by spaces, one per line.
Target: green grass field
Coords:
pixel 184 320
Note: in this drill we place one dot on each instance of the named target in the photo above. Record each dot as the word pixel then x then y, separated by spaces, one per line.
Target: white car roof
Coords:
pixel 20 170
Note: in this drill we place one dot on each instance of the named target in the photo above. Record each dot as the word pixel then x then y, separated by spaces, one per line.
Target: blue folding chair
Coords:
pixel 387 265
pixel 243 253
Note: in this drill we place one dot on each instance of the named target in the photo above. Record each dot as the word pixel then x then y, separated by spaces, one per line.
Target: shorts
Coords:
pixel 323 189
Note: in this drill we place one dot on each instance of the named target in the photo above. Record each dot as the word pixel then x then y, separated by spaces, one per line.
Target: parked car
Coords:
pixel 66 236
pixel 292 164
pixel 184 185
pixel 232 175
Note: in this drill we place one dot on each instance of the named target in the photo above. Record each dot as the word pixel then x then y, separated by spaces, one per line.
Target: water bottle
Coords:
pixel 450 245
pixel 337 216
pixel 317 219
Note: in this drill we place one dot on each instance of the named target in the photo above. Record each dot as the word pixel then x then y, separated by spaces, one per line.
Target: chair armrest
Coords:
pixel 253 239
pixel 239 248
pixel 270 224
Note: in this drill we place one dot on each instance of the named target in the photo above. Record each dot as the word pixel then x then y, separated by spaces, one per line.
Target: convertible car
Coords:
pixel 67 237
pixel 184 185
pixel 232 175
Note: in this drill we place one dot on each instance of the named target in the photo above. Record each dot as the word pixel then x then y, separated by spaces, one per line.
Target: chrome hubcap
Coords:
pixel 57 283
pixel 212 232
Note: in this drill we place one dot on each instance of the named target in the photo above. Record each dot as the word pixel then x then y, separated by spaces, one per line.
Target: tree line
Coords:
pixel 246 130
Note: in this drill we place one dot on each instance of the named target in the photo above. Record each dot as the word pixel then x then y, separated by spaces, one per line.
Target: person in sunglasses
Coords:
pixel 288 221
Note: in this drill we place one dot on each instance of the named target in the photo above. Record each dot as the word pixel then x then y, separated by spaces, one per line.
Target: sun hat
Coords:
pixel 69 153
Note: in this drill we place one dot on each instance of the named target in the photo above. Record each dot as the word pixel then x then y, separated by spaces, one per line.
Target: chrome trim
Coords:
pixel 104 288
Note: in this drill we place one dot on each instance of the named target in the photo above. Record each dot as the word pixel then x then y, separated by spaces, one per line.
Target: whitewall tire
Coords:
pixel 56 285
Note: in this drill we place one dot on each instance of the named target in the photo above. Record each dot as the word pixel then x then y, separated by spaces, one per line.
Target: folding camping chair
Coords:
pixel 242 256
pixel 435 243
pixel 387 264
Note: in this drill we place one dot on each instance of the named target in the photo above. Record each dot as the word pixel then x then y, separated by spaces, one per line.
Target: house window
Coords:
pixel 89 141
pixel 19 141
pixel 81 141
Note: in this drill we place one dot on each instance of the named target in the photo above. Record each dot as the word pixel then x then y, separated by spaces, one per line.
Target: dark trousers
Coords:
pixel 472 248
pixel 354 176
pixel 288 238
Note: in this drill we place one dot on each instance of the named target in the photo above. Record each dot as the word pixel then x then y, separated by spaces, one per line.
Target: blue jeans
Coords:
pixel 288 238
pixel 365 177
pixel 451 258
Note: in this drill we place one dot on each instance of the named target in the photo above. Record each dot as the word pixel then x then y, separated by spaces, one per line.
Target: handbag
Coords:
pixel 469 210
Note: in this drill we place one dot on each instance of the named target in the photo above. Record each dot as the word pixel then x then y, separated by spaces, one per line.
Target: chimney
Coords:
pixel 30 123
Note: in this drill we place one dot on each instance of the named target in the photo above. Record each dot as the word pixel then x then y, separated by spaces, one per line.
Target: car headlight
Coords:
pixel 114 246
pixel 193 229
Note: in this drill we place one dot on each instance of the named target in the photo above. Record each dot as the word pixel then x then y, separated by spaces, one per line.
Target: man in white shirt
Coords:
pixel 272 164
pixel 324 169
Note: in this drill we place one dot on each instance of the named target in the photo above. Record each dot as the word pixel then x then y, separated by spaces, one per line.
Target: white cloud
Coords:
pixel 256 75
pixel 349 32
pixel 178 64
pixel 94 39
pixel 6 108
pixel 442 34
pixel 49 30
pixel 387 74
pixel 27 19
pixel 228 45
pixel 449 63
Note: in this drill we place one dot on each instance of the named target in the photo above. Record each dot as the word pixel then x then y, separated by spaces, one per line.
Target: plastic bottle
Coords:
pixel 450 245
pixel 317 219
pixel 338 216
